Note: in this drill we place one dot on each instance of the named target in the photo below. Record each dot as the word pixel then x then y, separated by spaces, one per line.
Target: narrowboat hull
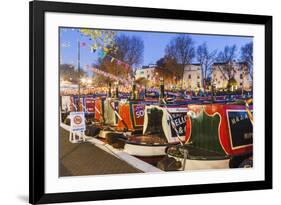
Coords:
pixel 196 164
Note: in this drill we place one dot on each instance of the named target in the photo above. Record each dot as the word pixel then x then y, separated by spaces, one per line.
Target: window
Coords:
pixel 198 76
pixel 241 76
pixel 189 76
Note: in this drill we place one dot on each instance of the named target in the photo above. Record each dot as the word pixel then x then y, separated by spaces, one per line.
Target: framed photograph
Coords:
pixel 132 102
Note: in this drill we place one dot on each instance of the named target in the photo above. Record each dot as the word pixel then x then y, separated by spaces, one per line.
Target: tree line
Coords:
pixel 181 51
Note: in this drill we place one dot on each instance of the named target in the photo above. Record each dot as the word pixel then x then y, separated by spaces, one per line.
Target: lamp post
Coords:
pixel 116 89
pixel 109 90
pixel 161 88
pixel 78 65
pixel 242 89
pixel 134 89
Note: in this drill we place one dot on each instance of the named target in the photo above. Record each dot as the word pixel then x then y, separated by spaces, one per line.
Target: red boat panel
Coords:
pixel 98 109
pixel 90 104
pixel 226 135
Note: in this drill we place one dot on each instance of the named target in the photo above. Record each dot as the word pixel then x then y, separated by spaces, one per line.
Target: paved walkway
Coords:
pixel 87 159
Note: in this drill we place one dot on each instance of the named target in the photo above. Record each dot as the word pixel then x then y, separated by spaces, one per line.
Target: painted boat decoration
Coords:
pixel 158 132
pixel 217 136
pixel 99 109
pixel 124 116
pixel 132 114
pixel 110 105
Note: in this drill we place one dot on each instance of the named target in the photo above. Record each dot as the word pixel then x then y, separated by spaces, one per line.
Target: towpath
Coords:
pixel 87 159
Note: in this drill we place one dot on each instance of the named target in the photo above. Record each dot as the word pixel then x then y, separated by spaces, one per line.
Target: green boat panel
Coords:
pixel 196 153
pixel 205 136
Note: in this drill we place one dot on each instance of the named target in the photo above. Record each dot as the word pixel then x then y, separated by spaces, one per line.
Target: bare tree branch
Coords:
pixel 247 56
pixel 206 59
pixel 181 48
pixel 226 57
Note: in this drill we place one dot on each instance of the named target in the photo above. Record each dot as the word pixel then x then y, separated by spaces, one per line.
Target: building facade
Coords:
pixel 147 72
pixel 192 77
pixel 233 76
pixel 153 73
pixel 236 72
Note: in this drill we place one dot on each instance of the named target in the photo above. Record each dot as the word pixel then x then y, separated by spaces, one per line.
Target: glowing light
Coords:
pixel 89 81
pixel 83 80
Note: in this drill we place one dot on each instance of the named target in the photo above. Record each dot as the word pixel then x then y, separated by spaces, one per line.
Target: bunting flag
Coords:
pixel 93 48
pixel 105 49
pixel 126 66
pixel 111 76
pixel 82 44
pixel 102 53
pixel 124 81
pixel 112 59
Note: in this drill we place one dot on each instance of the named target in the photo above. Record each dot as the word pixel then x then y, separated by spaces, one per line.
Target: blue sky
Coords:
pixel 154 45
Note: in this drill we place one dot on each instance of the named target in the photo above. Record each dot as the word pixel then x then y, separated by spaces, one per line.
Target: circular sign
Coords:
pixel 77 120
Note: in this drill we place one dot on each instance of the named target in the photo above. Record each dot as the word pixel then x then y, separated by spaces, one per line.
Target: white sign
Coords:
pixel 77 121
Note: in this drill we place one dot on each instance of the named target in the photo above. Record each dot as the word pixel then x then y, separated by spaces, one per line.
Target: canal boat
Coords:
pixel 218 136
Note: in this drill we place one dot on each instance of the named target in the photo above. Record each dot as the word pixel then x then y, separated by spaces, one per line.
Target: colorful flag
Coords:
pixel 102 54
pixel 105 49
pixel 82 44
pixel 93 49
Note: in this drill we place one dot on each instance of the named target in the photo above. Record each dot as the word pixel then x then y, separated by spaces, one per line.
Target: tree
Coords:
pixel 181 48
pixel 225 59
pixel 69 73
pixel 170 64
pixel 247 56
pixel 129 49
pixel 206 59
pixel 142 81
pixel 100 38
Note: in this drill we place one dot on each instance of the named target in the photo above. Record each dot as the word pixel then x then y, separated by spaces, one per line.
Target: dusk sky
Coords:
pixel 154 45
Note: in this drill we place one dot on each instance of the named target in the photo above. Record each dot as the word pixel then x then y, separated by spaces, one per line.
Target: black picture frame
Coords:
pixel 37 9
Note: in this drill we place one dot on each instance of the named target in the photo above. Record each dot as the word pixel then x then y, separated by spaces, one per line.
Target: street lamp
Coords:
pixel 78 66
pixel 133 97
pixel 83 80
pixel 162 91
pixel 116 89
pixel 89 81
